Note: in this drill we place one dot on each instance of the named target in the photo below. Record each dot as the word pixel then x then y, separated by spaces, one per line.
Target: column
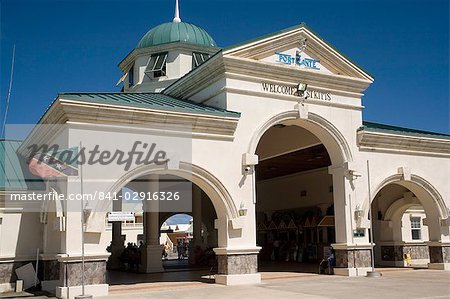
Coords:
pixel 351 259
pixel 151 257
pixel 117 244
pixel 197 218
pixel 439 244
pixel 197 214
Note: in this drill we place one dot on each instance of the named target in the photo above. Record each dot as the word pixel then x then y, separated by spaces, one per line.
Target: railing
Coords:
pixel 126 225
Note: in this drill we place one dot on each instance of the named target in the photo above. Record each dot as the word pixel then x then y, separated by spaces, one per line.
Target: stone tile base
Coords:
pixel 237 264
pixel 71 273
pixel 394 255
pixel 8 271
pixel 352 261
pixel 352 258
pixel 439 254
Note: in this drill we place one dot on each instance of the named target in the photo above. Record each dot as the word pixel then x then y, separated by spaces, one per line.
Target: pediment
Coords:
pixel 298 47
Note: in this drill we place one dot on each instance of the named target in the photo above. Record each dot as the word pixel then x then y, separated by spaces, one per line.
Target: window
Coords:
pixel 416 228
pixel 131 76
pixel 198 59
pixel 156 65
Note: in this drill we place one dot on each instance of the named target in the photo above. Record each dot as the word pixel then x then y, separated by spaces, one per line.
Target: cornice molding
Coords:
pixel 64 112
pixel 410 145
pixel 221 66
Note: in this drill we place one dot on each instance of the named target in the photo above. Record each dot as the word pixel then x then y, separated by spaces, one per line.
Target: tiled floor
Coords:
pixel 395 284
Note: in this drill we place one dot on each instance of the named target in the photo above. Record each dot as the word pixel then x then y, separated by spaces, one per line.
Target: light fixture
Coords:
pixel 242 210
pixel 302 87
pixel 358 213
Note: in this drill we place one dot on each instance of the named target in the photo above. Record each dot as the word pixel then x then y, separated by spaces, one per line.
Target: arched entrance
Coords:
pixel 298 191
pixel 407 216
pixel 203 234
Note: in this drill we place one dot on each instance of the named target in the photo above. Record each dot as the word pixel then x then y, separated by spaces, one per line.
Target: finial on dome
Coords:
pixel 177 19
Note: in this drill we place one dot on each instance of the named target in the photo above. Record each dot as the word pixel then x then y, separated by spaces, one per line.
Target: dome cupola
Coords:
pixel 176 32
pixel 165 54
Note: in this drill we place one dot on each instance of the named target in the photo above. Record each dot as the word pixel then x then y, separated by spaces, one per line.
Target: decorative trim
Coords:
pixel 410 145
pixel 337 137
pixel 75 258
pixel 62 112
pixel 237 251
pixel 217 66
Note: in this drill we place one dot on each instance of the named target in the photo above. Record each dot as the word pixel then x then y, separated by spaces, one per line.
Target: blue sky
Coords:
pixel 75 46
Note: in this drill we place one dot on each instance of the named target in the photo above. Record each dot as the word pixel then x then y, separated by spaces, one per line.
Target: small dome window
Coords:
pixel 199 58
pixel 131 76
pixel 156 66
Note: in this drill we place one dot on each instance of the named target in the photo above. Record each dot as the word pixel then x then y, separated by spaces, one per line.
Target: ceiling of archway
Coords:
pixel 310 158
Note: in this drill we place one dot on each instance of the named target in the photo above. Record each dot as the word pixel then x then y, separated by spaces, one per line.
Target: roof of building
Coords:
pixel 15 174
pixel 377 127
pixel 149 101
pixel 176 32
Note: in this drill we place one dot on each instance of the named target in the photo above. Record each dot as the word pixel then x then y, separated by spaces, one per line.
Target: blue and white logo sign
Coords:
pixel 298 60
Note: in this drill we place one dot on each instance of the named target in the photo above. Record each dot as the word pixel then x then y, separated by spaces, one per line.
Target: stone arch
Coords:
pixel 219 195
pixel 427 195
pixel 416 185
pixel 398 208
pixel 329 135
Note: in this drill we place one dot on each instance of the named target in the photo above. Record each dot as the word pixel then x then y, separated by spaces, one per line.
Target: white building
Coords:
pixel 268 161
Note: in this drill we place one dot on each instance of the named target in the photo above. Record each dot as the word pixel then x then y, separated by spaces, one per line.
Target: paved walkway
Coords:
pixel 410 284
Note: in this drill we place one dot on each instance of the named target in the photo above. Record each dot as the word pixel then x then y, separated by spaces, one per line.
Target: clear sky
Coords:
pixel 75 46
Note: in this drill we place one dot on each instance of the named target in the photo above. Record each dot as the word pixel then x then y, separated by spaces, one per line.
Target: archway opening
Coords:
pixel 176 234
pixel 146 247
pixel 294 200
pixel 400 228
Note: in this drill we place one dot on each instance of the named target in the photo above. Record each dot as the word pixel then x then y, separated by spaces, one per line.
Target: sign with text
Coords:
pixel 120 216
pixel 298 60
pixel 294 91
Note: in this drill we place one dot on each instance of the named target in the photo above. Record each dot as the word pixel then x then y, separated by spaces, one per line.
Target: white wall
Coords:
pixel 284 192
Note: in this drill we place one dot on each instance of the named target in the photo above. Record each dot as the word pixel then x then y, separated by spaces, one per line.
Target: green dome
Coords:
pixel 176 32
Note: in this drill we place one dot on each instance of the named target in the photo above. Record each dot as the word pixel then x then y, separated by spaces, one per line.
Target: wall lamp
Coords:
pixel 242 210
pixel 358 213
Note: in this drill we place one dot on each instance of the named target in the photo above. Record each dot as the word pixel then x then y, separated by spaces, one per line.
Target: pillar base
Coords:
pixel 352 272
pixel 114 262
pixel 439 266
pixel 7 287
pixel 70 272
pixel 352 260
pixel 151 258
pixel 237 266
pixel 238 279
pixel 74 291
pixel 439 256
